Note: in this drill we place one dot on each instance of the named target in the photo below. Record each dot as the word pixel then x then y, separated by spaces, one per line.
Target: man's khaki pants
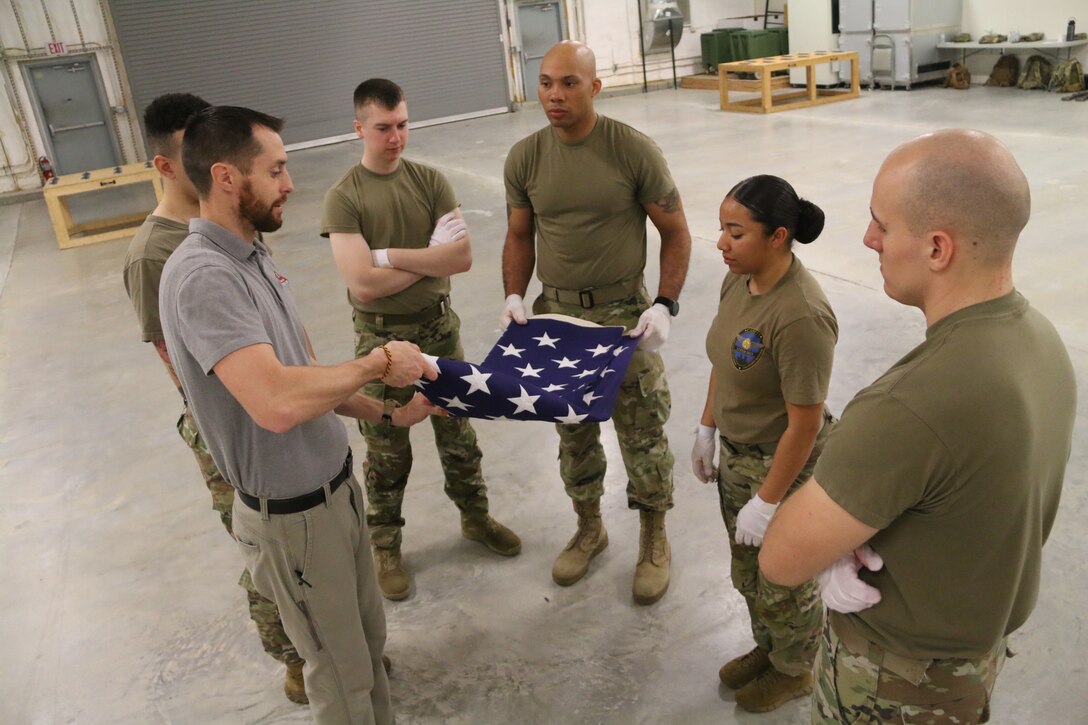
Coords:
pixel 317 566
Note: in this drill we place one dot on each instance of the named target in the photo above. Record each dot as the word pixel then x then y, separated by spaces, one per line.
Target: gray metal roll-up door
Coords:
pixel 302 60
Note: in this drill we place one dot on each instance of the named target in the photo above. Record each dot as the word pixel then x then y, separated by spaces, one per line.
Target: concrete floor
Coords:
pixel 119 603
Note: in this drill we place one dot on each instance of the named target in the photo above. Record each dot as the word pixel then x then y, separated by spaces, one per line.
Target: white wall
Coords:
pixel 81 26
pixel 610 27
pixel 1039 16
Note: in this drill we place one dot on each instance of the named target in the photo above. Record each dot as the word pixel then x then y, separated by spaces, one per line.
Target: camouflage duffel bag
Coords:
pixel 1036 74
pixel 1005 73
pixel 1068 77
pixel 958 77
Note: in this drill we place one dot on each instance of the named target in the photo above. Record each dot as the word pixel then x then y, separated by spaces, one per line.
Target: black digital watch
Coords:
pixel 672 305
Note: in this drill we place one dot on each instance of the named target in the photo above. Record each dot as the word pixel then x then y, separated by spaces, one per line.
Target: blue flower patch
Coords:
pixel 748 347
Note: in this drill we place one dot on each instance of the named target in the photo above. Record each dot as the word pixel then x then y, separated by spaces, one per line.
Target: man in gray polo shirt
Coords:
pixel 267 411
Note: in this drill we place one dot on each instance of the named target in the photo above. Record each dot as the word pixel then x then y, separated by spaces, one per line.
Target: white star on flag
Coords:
pixel 476 381
pixel 567 363
pixel 599 350
pixel 524 402
pixel 604 372
pixel 615 352
pixel 455 402
pixel 511 350
pixel 529 371
pixel 586 373
pixel 590 397
pixel 554 387
pixel 571 417
pixel 545 341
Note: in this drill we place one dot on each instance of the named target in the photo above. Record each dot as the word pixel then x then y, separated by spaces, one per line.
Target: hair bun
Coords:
pixel 810 222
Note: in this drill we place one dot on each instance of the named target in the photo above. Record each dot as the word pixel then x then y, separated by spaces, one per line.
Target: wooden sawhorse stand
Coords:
pixel 765 83
pixel 58 188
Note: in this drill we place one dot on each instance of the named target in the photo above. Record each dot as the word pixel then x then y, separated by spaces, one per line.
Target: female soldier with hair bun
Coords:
pixel 771 346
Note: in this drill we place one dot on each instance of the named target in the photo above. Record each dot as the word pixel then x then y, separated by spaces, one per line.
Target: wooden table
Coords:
pixel 57 190
pixel 765 83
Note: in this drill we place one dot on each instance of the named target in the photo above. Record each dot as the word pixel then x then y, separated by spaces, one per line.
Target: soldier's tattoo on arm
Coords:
pixel 670 202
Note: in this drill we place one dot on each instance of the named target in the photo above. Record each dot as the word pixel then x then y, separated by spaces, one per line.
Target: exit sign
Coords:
pixel 56 49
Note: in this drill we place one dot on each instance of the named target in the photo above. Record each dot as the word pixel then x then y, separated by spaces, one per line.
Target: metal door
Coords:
pixel 855 16
pixel 856 34
pixel 541 27
pixel 891 16
pixel 73 115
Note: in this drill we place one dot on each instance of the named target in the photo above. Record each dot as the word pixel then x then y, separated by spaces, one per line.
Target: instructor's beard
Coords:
pixel 262 216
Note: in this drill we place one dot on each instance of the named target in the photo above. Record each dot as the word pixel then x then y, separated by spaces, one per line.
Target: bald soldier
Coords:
pixel 578 193
pixel 929 508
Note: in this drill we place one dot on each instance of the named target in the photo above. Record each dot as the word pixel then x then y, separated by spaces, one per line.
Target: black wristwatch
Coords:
pixel 672 305
pixel 387 411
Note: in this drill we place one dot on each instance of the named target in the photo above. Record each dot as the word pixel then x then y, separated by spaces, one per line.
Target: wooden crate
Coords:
pixel 69 234
pixel 765 82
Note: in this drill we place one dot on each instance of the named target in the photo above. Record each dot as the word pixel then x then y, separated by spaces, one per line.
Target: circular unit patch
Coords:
pixel 748 347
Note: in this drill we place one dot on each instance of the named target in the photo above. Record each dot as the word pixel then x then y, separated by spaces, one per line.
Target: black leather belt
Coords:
pixel 591 296
pixel 385 319
pixel 305 502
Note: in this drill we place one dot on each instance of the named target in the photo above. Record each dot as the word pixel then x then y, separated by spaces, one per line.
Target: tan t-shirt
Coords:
pixel 148 251
pixel 957 455
pixel 392 211
pixel 587 201
pixel 769 350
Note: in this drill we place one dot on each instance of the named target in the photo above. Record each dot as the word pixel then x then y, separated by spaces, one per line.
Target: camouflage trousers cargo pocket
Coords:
pixel 389 456
pixel 873 687
pixel 785 620
pixel 642 409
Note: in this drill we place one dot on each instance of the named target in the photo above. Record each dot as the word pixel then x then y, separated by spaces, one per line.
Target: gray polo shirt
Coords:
pixel 219 294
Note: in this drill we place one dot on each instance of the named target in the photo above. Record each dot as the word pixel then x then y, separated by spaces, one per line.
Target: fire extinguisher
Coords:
pixel 46 168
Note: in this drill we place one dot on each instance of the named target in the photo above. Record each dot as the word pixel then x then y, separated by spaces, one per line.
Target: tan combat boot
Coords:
pixel 293 684
pixel 654 559
pixel 479 526
pixel 773 689
pixel 590 540
pixel 392 578
pixel 739 671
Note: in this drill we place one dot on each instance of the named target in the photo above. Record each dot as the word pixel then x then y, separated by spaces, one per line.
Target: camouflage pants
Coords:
pixel 863 686
pixel 262 611
pixel 388 448
pixel 642 408
pixel 785 620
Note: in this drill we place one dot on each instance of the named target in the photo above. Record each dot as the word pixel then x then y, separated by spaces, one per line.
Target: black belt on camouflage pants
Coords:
pixel 384 319
pixel 588 297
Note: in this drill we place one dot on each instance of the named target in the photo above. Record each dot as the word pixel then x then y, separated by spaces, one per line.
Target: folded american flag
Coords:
pixel 555 368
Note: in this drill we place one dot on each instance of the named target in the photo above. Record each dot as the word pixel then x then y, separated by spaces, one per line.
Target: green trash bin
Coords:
pixel 754 44
pixel 709 42
pixel 716 48
pixel 783 40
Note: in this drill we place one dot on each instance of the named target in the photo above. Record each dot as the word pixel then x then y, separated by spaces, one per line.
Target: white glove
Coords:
pixel 652 328
pixel 753 519
pixel 702 454
pixel 380 257
pixel 514 311
pixel 448 229
pixel 842 590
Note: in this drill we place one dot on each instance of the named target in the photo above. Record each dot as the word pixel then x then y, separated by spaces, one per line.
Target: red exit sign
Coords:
pixel 56 49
